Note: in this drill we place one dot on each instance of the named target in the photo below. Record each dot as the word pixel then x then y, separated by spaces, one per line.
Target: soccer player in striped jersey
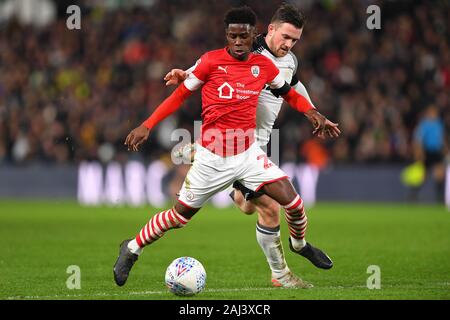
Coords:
pixel 284 31
pixel 231 80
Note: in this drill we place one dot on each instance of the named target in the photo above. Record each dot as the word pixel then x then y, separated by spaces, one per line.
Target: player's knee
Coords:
pixel 185 211
pixel 248 208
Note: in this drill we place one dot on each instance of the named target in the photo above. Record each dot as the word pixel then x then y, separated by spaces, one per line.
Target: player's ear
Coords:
pixel 271 29
pixel 254 32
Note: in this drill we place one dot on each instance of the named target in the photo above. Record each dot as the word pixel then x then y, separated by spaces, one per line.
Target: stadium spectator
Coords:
pixel 67 94
pixel 430 147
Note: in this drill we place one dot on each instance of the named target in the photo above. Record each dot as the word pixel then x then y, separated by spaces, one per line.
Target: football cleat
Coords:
pixel 124 263
pixel 290 280
pixel 316 256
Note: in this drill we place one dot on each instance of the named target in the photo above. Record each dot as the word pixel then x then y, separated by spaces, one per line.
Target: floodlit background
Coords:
pixel 69 97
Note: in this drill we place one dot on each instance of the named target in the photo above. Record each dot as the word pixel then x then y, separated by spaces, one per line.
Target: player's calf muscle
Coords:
pixel 268 221
pixel 267 206
pixel 268 211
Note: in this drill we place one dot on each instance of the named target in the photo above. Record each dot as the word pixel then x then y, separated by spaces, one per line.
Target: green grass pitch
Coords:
pixel 40 240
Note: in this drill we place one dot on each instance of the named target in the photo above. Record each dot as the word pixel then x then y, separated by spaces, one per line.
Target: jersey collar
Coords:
pixel 260 41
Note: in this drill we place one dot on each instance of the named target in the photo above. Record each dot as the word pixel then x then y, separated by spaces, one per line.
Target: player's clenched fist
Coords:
pixel 136 137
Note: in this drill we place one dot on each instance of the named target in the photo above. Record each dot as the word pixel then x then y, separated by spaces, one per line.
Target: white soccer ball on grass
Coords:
pixel 185 276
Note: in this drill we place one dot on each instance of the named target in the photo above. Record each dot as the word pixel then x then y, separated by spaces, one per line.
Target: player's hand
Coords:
pixel 175 77
pixel 323 127
pixel 137 137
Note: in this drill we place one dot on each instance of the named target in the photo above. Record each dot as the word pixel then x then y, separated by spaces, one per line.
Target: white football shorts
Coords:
pixel 211 173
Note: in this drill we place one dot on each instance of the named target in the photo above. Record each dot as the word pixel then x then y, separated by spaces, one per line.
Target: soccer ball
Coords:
pixel 185 276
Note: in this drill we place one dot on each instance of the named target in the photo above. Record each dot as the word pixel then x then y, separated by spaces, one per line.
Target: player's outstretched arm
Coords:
pixel 140 134
pixel 322 126
pixel 279 87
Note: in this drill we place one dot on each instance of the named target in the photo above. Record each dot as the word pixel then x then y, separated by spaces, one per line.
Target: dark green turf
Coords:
pixel 39 240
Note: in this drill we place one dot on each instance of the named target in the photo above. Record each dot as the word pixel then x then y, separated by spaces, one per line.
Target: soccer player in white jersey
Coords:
pixel 226 151
pixel 284 31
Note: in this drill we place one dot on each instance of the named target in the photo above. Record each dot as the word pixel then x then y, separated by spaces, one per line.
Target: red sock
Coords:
pixel 158 225
pixel 296 218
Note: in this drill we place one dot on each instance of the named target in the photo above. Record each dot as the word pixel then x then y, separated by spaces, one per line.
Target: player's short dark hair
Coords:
pixel 240 15
pixel 288 13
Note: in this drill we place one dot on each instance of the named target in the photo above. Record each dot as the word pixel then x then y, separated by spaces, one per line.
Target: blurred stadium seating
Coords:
pixel 72 95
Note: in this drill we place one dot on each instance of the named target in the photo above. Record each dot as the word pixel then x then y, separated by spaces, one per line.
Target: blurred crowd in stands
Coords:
pixel 68 95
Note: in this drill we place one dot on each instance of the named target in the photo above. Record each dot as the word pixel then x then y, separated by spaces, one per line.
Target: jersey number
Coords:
pixel 267 165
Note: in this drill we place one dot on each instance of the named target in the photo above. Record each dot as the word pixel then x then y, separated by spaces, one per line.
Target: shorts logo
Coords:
pixel 189 195
pixel 255 71
pixel 266 162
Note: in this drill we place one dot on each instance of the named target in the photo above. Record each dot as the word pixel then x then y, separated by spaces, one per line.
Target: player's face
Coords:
pixel 240 40
pixel 281 37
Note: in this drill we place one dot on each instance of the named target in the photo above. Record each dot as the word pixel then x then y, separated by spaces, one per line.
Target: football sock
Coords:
pixel 158 225
pixel 270 242
pixel 297 222
pixel 134 247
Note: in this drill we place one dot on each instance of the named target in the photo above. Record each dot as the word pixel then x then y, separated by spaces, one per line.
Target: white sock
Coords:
pixel 298 243
pixel 134 247
pixel 270 243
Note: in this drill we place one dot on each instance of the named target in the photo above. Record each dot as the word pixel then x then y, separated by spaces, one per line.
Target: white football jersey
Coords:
pixel 269 105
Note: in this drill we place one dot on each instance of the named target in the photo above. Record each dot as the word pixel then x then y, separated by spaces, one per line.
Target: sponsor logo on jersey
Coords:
pixel 225 91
